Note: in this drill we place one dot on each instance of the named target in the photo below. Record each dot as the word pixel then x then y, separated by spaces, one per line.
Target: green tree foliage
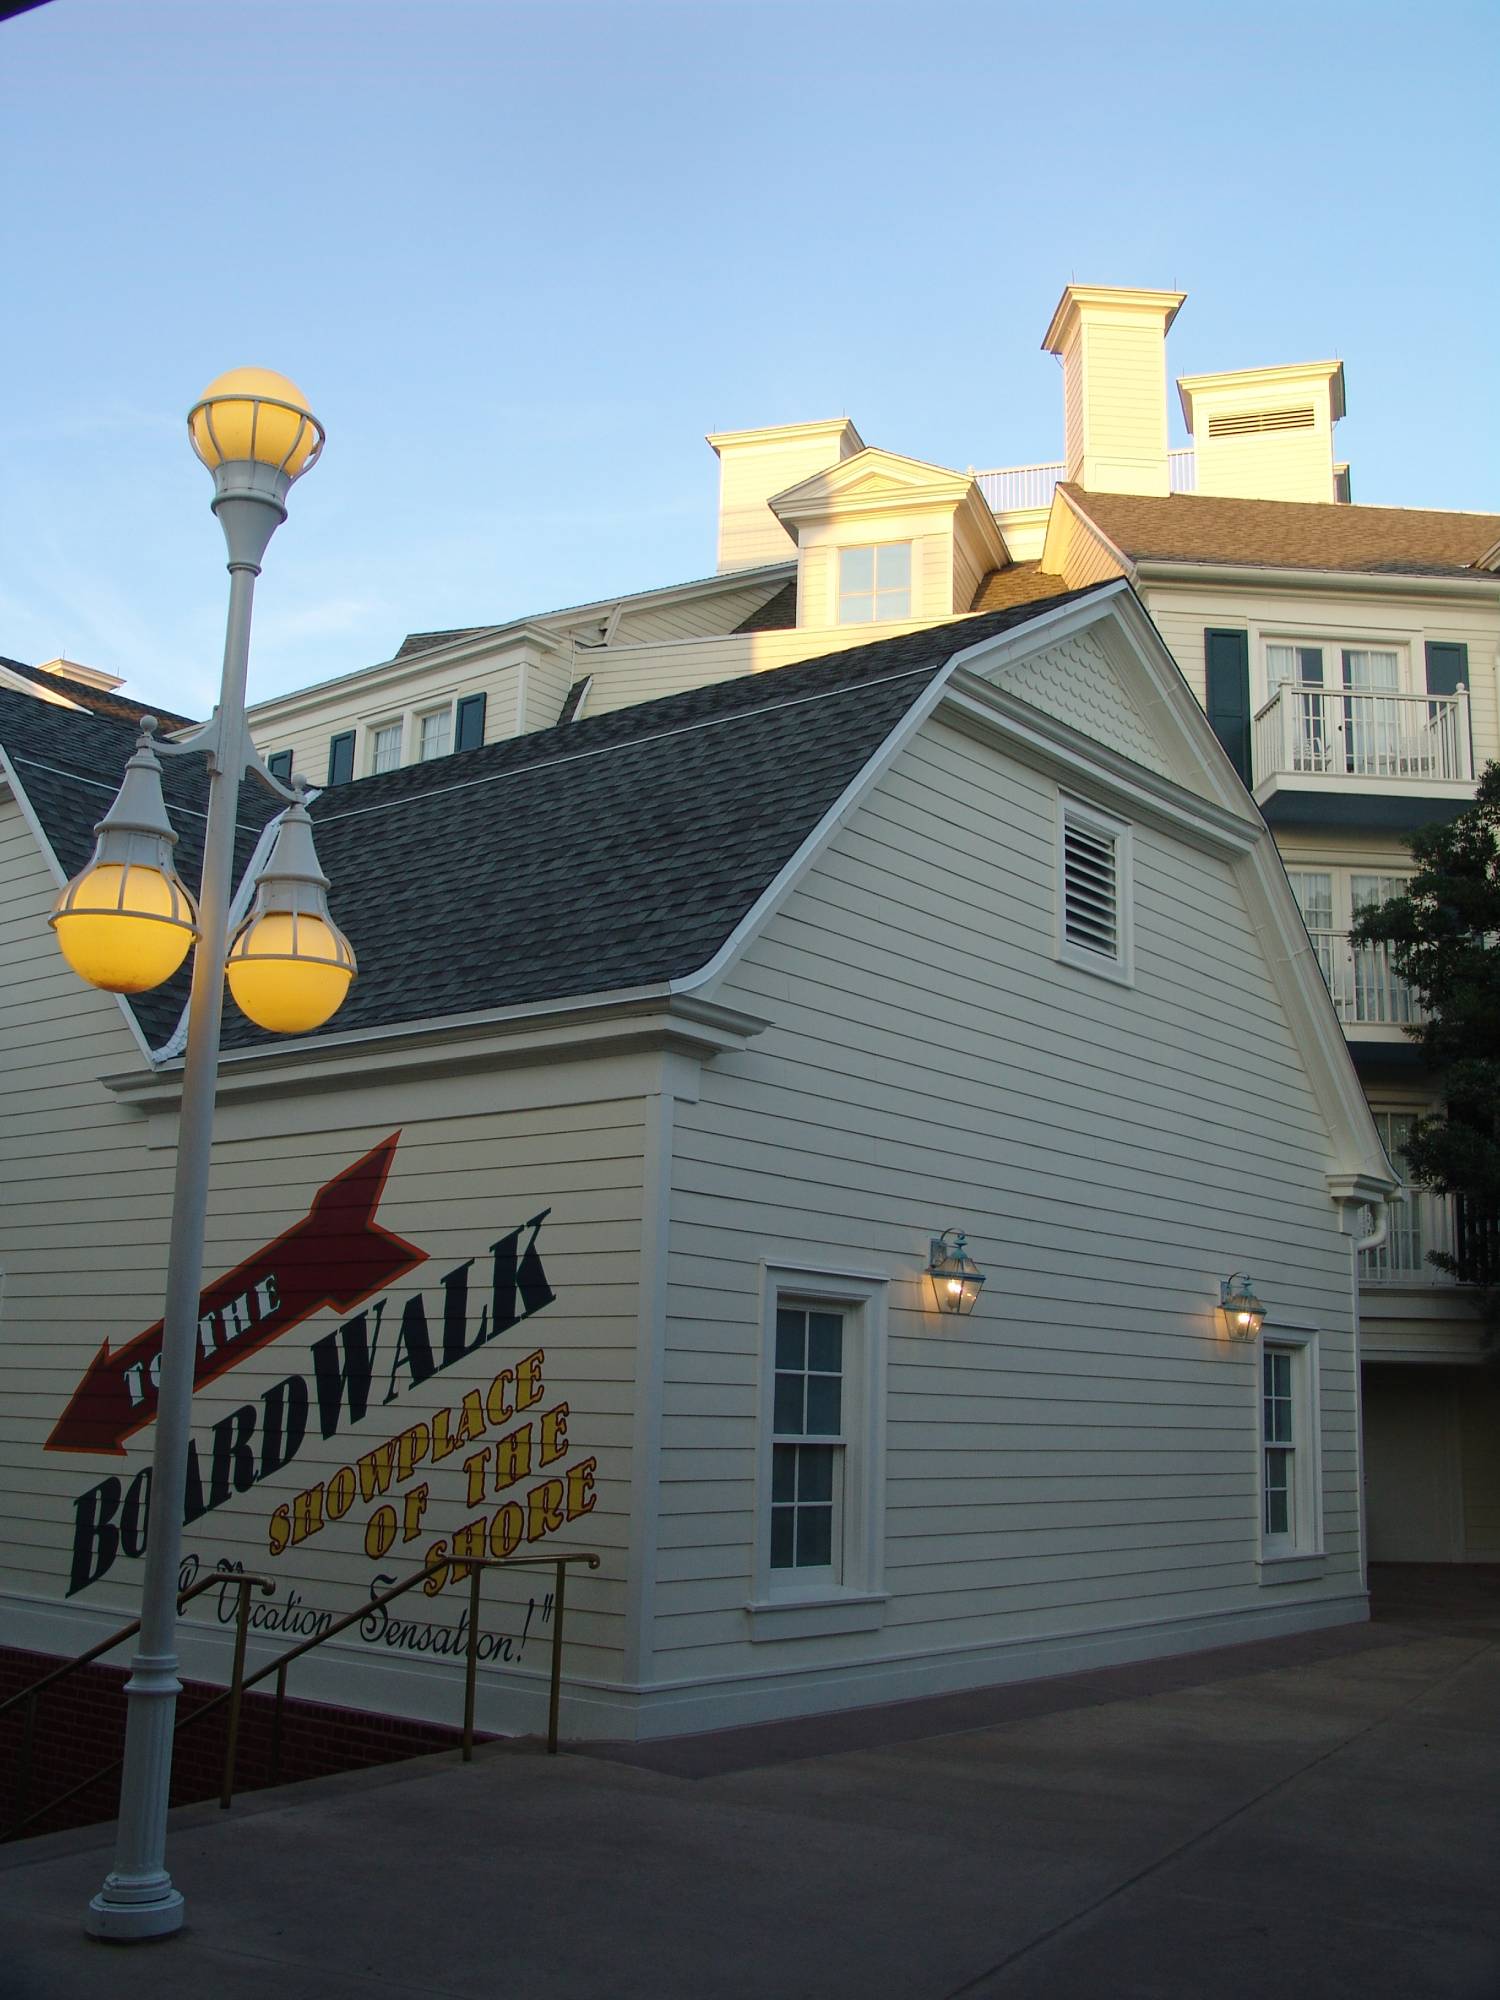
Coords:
pixel 1444 939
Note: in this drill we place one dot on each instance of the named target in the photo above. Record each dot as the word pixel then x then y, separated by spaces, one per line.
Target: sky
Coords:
pixel 522 257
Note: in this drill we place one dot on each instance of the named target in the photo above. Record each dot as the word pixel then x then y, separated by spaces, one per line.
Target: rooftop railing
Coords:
pixel 1010 488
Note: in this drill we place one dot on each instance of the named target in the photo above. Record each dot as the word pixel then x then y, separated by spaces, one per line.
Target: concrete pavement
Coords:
pixel 1316 1816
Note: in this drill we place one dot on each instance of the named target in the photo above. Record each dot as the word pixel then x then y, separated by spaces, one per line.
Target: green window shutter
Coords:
pixel 1227 693
pixel 279 764
pixel 341 758
pixel 1447 666
pixel 470 722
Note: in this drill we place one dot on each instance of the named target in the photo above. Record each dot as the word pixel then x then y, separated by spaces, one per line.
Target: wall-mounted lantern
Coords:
pixel 1243 1312
pixel 956 1279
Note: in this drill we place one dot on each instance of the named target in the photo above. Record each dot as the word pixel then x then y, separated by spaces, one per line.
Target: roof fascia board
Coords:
pixel 1088 524
pixel 1223 821
pixel 11 783
pixel 796 866
pixel 500 639
pixel 1162 569
pixel 547 629
pixel 573 1029
pixel 773 434
pixel 38 690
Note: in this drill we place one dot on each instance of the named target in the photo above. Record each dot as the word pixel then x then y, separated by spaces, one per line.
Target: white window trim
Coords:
pixel 1334 639
pixel 841 549
pixel 420 716
pixel 780 1607
pixel 1121 968
pixel 1302 1555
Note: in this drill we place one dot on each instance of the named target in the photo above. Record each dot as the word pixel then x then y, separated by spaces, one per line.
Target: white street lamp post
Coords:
pixel 254 432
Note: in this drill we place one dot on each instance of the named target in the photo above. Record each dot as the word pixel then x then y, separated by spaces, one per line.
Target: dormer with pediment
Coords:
pixel 883 539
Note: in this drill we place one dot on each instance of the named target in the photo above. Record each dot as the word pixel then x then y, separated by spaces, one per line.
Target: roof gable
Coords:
pixel 1076 681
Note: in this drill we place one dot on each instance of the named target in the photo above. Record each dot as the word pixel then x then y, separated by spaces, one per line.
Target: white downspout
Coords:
pixel 1373 1241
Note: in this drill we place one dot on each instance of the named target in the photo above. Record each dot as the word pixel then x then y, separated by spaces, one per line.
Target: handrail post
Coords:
pixel 554 1700
pixel 471 1663
pixel 236 1691
pixel 276 1722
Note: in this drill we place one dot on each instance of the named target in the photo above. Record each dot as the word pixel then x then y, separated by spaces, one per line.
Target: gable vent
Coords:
pixel 1248 422
pixel 1091 888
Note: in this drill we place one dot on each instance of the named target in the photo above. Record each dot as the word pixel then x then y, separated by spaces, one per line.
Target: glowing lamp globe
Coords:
pixel 124 926
pixel 289 971
pixel 256 415
pixel 125 922
pixel 290 965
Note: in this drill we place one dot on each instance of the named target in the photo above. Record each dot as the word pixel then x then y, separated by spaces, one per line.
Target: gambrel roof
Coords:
pixel 613 851
pixel 632 856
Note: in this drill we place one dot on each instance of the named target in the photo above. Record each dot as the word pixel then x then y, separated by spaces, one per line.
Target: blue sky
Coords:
pixel 522 257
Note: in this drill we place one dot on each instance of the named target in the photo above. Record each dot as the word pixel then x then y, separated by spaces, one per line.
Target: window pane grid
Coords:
pixel 436 734
pixel 805 1476
pixel 874 583
pixel 1278 1449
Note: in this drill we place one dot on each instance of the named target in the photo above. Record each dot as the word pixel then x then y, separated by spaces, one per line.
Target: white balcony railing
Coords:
pixel 1422 1222
pixel 1013 487
pixel 1346 736
pixel 1367 991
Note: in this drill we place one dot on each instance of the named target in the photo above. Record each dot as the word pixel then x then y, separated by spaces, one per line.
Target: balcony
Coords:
pixel 1313 738
pixel 1367 991
pixel 1422 1222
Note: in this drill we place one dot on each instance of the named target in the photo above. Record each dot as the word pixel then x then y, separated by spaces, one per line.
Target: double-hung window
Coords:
pixel 434 734
pixel 385 747
pixel 819 1509
pixel 875 583
pixel 1290 1506
pixel 809 1448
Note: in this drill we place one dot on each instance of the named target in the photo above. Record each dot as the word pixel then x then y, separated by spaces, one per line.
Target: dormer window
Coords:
pixel 875 583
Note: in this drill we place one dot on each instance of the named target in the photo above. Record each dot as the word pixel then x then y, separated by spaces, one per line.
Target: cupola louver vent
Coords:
pixel 1249 422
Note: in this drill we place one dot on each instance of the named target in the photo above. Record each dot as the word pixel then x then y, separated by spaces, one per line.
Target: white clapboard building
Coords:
pixel 601 1216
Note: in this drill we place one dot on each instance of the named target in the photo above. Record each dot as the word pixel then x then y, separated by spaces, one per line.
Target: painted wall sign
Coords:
pixel 335 1256
pixel 339 1256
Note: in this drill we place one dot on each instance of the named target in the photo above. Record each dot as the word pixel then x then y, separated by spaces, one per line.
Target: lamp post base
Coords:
pixel 126 1922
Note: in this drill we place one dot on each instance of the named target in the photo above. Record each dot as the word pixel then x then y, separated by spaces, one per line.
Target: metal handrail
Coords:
pixel 476 1565
pixel 243 1581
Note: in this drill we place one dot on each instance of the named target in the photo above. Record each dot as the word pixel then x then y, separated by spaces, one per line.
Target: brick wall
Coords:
pixel 80 1724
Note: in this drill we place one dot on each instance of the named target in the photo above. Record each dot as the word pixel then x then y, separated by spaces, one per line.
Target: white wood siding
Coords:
pixel 693 617
pixel 306 724
pixel 1081 1454
pixel 1184 611
pixel 84 1207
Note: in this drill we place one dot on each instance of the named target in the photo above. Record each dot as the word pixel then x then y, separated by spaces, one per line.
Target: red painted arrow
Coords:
pixel 336 1255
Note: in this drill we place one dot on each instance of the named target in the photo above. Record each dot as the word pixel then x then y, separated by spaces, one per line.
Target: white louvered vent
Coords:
pixel 1248 422
pixel 1091 890
pixel 1094 869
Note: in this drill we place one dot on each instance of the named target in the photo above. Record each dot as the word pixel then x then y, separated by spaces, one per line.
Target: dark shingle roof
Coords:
pixel 617 851
pixel 1290 534
pixel 777 614
pixel 70 766
pixel 100 701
